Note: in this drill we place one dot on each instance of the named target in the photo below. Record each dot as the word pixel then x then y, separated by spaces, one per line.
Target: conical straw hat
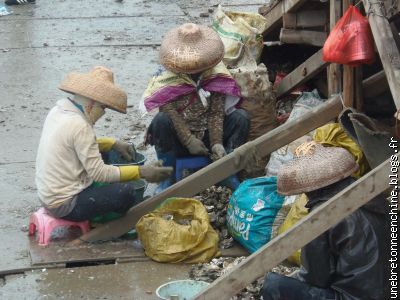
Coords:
pixel 98 85
pixel 191 48
pixel 315 167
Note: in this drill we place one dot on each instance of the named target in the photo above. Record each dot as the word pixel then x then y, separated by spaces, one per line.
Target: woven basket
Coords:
pixel 315 169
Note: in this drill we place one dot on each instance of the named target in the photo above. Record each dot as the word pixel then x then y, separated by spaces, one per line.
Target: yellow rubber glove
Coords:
pixel 128 173
pixel 105 143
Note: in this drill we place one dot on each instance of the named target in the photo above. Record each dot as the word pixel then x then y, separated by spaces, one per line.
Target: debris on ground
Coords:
pixel 216 199
pixel 219 266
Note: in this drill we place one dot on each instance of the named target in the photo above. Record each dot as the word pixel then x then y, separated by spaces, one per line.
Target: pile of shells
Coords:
pixel 219 266
pixel 216 199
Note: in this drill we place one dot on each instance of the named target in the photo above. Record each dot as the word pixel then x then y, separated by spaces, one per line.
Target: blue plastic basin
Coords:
pixel 184 289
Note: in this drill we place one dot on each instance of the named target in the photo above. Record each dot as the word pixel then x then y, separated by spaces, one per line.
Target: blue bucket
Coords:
pixel 180 289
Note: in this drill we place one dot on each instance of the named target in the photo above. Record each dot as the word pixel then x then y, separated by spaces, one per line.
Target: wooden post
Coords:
pixel 334 70
pixel 386 45
pixel 301 74
pixel 358 89
pixel 348 75
pixel 305 37
pixel 313 225
pixel 219 170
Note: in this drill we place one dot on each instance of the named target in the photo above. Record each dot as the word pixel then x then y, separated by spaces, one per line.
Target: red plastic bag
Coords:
pixel 350 41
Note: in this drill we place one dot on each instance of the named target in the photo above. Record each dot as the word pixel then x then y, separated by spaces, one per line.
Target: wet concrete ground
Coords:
pixel 39 45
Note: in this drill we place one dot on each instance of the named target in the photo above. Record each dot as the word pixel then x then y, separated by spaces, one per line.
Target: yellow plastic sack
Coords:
pixel 240 32
pixel 178 231
pixel 333 135
pixel 296 213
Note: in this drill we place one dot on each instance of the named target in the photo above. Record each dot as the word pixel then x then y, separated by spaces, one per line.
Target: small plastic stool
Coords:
pixel 189 162
pixel 44 224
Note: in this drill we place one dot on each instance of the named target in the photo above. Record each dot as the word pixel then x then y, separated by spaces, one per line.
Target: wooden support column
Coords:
pixel 219 170
pixel 313 225
pixel 348 75
pixel 334 70
pixel 301 74
pixel 386 45
pixel 358 89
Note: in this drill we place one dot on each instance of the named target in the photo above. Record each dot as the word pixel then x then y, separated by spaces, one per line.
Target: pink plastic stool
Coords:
pixel 45 224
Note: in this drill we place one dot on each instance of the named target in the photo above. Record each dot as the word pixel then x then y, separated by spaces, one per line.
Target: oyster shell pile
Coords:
pixel 219 266
pixel 216 199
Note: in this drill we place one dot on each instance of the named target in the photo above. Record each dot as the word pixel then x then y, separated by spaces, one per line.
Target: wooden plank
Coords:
pixel 386 45
pixel 305 19
pixel 302 74
pixel 304 37
pixel 334 70
pixel 220 169
pixel 274 17
pixel 375 85
pixel 313 225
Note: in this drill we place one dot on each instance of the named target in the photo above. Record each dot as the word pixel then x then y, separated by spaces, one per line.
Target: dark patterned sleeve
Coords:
pixel 181 128
pixel 216 118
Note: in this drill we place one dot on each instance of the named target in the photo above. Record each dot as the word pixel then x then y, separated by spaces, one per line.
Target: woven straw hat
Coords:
pixel 98 85
pixel 315 167
pixel 191 48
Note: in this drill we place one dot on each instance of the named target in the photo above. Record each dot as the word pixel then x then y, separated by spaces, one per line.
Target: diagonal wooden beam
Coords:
pixel 219 170
pixel 302 74
pixel 386 45
pixel 316 223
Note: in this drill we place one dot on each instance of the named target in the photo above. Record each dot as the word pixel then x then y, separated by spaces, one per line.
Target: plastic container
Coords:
pixel 180 289
pixel 114 158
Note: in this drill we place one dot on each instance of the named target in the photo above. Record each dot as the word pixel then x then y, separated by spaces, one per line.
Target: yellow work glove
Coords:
pixel 128 173
pixel 105 143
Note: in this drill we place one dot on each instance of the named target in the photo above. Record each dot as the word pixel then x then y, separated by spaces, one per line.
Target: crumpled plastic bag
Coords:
pixel 350 41
pixel 332 135
pixel 241 34
pixel 296 213
pixel 178 231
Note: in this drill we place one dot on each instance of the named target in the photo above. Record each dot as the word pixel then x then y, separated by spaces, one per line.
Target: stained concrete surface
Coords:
pixel 39 44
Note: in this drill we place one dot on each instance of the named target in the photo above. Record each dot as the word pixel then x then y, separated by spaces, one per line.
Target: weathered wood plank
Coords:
pixel 386 45
pixel 304 37
pixel 317 222
pixel 305 19
pixel 274 17
pixel 219 170
pixel 334 70
pixel 375 85
pixel 302 74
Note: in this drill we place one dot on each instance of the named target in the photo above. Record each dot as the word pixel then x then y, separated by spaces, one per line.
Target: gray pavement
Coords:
pixel 39 45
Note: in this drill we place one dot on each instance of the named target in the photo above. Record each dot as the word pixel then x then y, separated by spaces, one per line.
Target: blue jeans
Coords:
pixel 279 287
